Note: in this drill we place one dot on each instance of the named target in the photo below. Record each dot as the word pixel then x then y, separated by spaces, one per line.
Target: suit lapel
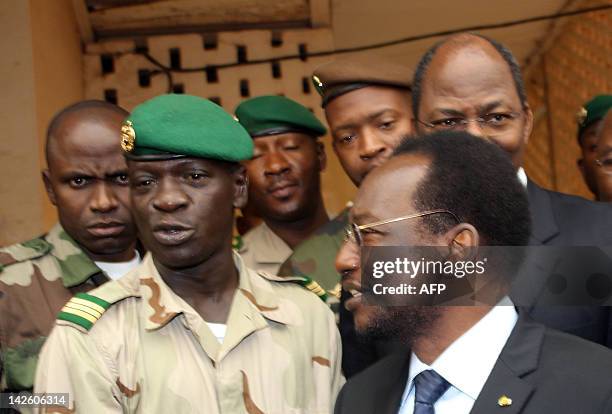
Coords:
pixel 390 399
pixel 544 225
pixel 519 358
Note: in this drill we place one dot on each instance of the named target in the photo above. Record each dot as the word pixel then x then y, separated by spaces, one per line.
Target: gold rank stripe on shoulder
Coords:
pixel 315 288
pixel 84 310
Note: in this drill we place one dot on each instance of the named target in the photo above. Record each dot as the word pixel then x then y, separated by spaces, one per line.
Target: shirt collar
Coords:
pixel 522 176
pixel 266 246
pixel 467 363
pixel 254 295
pixel 76 266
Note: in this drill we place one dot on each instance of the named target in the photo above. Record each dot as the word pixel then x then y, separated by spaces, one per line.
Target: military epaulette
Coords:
pixel 315 288
pixel 304 281
pixel 237 242
pixel 22 252
pixel 83 310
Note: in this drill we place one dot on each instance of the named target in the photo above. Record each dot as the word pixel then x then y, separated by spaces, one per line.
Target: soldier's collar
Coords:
pixel 75 266
pixel 260 294
pixel 161 305
pixel 268 248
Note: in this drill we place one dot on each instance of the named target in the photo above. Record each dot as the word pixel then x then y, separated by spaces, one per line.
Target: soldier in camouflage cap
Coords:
pixel 192 329
pixel 368 110
pixel 87 181
pixel 284 178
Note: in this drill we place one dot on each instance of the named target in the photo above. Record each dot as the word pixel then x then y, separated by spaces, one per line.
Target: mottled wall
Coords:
pixel 229 85
pixel 577 66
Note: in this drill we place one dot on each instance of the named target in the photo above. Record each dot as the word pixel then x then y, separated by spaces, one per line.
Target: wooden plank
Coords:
pixel 320 13
pixel 82 18
pixel 197 13
pixel 104 4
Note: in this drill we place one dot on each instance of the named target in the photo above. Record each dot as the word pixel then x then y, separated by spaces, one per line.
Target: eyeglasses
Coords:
pixel 490 124
pixel 353 231
pixel 605 164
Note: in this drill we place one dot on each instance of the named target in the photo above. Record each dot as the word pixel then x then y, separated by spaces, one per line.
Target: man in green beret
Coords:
pixel 192 329
pixel 589 119
pixel 368 110
pixel 284 178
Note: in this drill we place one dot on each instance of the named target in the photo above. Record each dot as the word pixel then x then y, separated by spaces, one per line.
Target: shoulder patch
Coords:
pixel 303 281
pixel 22 252
pixel 83 310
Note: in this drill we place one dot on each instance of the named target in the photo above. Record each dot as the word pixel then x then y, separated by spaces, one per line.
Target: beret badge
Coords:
pixel 128 136
pixel 581 116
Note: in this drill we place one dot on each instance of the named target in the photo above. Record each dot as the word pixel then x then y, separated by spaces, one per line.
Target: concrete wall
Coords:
pixel 58 69
pixel 41 72
pixel 20 209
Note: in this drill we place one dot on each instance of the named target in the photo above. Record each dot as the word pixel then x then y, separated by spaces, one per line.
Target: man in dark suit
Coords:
pixel 459 359
pixel 469 82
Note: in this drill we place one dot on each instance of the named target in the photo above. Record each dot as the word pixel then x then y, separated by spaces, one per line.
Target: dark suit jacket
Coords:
pixel 542 370
pixel 565 220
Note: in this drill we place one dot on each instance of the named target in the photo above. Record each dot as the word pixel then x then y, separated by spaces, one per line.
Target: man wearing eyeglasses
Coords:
pixel 472 83
pixel 479 359
pixel 604 159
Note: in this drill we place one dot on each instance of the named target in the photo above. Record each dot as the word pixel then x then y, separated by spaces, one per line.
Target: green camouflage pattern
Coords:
pixel 36 278
pixel 315 258
pixel 151 352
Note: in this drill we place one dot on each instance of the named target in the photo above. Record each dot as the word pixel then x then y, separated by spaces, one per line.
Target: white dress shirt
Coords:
pixel 466 363
pixel 522 176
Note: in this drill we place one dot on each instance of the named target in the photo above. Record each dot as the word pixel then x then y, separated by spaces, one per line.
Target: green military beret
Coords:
pixel 271 115
pixel 593 111
pixel 338 77
pixel 174 126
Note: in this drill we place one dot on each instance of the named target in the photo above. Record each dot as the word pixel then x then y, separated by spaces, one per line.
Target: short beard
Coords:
pixel 405 324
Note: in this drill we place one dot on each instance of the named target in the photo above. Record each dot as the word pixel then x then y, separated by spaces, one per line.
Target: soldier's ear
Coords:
pixel 241 186
pixel 321 155
pixel 50 192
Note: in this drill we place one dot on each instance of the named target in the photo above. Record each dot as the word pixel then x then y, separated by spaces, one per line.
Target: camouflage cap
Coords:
pixel 175 126
pixel 272 115
pixel 593 111
pixel 338 77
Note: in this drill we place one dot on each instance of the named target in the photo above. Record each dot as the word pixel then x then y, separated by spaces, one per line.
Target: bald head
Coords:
pixel 472 83
pixel 468 43
pixel 90 111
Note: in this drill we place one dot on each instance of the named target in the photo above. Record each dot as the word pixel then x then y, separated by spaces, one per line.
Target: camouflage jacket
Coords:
pixel 134 346
pixel 37 278
pixel 315 258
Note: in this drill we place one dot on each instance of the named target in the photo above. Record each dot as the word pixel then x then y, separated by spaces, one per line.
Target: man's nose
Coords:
pixel 276 164
pixel 347 259
pixel 104 199
pixel 169 197
pixel 370 146
pixel 475 128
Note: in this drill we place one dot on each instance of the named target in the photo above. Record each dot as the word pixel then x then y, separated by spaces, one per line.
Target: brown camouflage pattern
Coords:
pixel 281 353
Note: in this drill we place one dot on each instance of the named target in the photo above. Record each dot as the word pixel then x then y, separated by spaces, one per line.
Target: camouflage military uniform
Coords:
pixel 263 250
pixel 315 258
pixel 134 346
pixel 37 277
